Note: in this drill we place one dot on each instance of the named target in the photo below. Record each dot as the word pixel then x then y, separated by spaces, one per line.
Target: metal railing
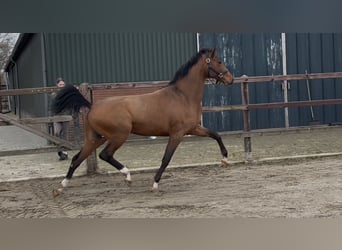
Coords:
pixel 245 106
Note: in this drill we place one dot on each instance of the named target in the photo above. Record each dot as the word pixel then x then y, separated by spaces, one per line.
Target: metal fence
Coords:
pixel 245 107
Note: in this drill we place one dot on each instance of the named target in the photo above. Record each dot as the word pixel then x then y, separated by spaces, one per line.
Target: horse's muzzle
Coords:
pixel 228 79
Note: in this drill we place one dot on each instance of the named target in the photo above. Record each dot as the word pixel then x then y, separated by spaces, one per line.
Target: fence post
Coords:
pixel 246 122
pixel 92 158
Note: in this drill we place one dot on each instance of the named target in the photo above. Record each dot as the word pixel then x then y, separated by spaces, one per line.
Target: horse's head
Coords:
pixel 217 70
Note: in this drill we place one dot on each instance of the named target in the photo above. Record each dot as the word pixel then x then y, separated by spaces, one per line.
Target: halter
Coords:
pixel 220 75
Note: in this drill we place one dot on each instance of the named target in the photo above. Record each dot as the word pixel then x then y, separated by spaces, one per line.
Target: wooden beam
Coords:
pixel 38 120
pixel 273 105
pixel 224 108
pixel 92 166
pixel 27 151
pixel 28 91
pixel 258 79
pixel 45 135
pixel 295 104
pixel 161 84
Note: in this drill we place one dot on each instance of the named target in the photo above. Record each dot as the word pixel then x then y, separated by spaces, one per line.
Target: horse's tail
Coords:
pixel 69 98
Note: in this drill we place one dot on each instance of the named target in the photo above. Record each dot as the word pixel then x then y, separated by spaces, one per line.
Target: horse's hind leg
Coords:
pixel 202 131
pixel 107 155
pixel 88 148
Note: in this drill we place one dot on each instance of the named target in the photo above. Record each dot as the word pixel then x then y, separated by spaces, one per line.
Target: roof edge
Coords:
pixel 23 39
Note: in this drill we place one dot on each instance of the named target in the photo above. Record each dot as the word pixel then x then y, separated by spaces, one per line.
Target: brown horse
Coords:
pixel 172 111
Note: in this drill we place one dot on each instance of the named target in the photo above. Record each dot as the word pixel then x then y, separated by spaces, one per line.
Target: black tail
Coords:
pixel 69 98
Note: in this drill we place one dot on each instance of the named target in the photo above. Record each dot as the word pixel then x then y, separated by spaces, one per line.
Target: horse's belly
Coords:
pixel 148 129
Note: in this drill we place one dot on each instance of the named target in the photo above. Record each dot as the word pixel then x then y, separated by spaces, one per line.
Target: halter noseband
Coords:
pixel 220 75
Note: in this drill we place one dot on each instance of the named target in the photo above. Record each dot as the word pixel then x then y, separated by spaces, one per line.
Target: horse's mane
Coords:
pixel 69 98
pixel 184 69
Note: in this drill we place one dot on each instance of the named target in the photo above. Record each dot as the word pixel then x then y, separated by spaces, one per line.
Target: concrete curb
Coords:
pixel 289 159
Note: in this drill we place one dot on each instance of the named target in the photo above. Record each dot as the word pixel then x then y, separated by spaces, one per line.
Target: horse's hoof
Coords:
pixel 57 192
pixel 65 183
pixel 155 188
pixel 224 162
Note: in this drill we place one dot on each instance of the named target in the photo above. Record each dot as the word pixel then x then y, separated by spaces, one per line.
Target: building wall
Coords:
pixel 27 72
pixel 4 104
pixel 135 57
pixel 94 58
pixel 261 54
pixel 245 54
pixel 314 53
pixel 117 57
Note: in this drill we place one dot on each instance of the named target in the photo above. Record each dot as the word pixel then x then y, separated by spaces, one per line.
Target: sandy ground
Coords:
pixel 148 153
pixel 303 187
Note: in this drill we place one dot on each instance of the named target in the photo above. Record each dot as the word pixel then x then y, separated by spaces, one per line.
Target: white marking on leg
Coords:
pixel 125 171
pixel 155 186
pixel 225 162
pixel 65 183
pixel 128 177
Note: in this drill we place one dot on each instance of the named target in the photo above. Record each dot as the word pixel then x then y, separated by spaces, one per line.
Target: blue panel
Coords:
pixel 245 54
pixel 314 53
pixel 337 50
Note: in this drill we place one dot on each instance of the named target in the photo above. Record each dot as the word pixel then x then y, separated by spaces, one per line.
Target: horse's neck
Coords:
pixel 192 85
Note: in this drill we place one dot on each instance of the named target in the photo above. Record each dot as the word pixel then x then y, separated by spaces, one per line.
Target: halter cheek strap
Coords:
pixel 218 74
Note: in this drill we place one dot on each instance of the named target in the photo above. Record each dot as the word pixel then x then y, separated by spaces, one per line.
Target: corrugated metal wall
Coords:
pixel 261 54
pixel 29 75
pixel 95 58
pixel 126 57
pixel 117 57
pixel 245 54
pixel 314 53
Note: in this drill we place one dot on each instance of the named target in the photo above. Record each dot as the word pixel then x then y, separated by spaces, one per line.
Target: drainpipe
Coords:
pixel 8 97
pixel 285 83
pixel 16 99
pixel 198 48
pixel 44 70
pixel 197 41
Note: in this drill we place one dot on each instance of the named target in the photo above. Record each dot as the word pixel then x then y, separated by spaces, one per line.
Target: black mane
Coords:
pixel 184 69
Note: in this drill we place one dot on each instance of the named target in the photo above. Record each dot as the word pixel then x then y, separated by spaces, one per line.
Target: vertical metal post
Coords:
pixel 285 85
pixel 92 158
pixel 246 122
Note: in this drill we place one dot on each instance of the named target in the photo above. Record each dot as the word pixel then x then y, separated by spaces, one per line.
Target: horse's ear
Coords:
pixel 212 54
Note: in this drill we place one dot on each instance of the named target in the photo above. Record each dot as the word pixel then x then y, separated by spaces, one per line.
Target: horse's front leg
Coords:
pixel 202 131
pixel 171 147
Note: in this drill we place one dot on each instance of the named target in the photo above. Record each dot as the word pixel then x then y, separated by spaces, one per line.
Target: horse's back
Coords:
pixel 146 114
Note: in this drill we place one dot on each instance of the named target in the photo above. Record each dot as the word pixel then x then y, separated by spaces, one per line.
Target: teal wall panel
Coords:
pixel 117 57
pixel 314 53
pixel 261 54
pixel 245 54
